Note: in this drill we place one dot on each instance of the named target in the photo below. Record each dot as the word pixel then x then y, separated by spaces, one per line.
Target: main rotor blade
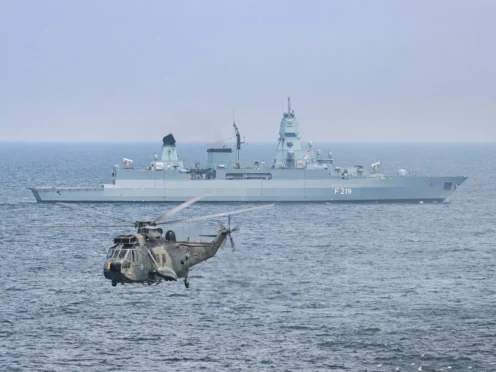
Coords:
pixel 94 212
pixel 180 207
pixel 71 226
pixel 192 219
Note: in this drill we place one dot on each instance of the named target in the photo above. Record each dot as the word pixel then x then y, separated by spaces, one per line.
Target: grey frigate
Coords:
pixel 298 173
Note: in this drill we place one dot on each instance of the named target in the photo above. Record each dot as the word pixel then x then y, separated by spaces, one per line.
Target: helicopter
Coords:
pixel 149 256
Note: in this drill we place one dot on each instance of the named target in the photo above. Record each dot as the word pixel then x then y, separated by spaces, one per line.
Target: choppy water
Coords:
pixel 312 287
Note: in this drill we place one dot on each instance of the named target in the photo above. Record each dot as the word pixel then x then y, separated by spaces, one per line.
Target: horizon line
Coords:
pixel 247 143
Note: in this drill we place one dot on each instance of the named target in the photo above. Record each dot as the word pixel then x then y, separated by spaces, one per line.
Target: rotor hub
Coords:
pixel 139 224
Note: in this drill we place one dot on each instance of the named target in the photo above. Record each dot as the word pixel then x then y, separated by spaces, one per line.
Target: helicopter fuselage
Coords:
pixel 149 258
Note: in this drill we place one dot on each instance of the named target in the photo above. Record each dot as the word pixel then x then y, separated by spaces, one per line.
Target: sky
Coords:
pixel 356 71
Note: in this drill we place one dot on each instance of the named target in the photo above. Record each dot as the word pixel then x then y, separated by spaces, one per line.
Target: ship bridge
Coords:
pixel 289 153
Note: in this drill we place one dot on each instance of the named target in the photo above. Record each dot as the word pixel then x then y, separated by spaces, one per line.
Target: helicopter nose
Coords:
pixel 115 267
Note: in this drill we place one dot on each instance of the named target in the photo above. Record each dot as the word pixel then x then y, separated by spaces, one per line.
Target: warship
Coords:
pixel 298 173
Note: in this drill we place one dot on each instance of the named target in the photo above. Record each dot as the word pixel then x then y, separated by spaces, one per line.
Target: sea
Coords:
pixel 309 287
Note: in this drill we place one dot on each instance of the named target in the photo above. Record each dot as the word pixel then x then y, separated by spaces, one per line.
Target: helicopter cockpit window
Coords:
pixel 111 251
pixel 122 253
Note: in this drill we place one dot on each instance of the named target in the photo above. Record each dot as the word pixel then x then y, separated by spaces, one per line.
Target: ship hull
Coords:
pixel 365 190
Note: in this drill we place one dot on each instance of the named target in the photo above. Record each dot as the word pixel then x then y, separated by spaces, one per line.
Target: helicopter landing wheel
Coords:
pixel 114 283
pixel 186 284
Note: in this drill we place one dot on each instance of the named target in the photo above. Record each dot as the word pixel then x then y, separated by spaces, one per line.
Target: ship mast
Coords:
pixel 238 145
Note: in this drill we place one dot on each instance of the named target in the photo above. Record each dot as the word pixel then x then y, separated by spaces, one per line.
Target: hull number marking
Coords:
pixel 343 191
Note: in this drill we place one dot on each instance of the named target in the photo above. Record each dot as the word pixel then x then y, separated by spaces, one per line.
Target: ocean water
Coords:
pixel 311 287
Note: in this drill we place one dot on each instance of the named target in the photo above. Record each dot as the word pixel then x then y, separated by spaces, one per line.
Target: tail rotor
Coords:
pixel 229 231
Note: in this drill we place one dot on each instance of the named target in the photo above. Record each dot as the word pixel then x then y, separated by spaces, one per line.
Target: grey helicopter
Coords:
pixel 149 256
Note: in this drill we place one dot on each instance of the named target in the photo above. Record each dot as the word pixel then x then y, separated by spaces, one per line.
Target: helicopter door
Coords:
pixel 144 263
pixel 137 262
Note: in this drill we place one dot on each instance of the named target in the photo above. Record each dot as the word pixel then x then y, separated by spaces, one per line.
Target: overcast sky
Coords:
pixel 367 71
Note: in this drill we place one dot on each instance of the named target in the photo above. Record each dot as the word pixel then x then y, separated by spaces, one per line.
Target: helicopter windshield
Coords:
pixel 111 251
pixel 122 252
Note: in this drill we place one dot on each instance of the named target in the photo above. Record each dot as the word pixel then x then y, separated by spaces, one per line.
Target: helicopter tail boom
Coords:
pixel 222 237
